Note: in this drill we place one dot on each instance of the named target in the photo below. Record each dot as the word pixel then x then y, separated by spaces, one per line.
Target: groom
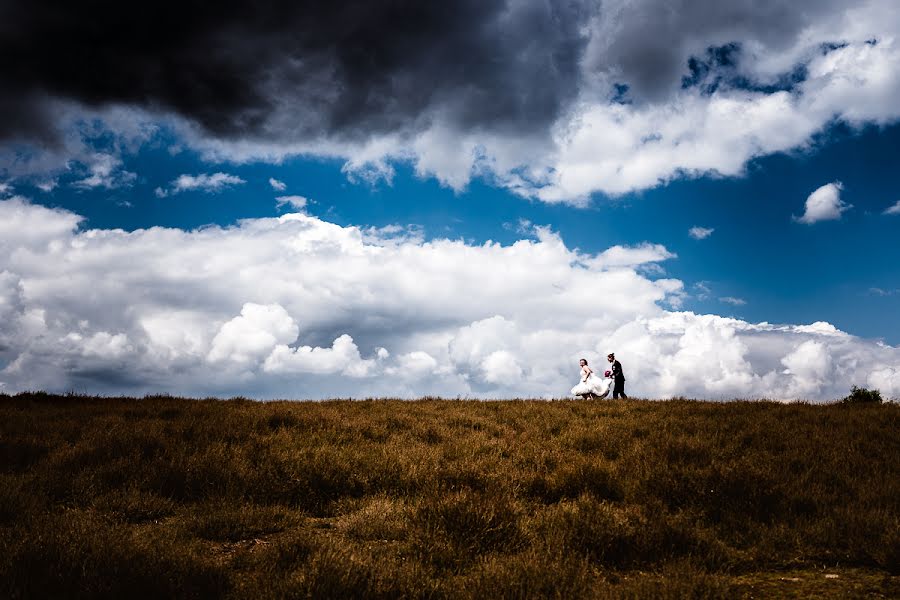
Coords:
pixel 618 376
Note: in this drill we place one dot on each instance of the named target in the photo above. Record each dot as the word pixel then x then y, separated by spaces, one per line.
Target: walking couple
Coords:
pixel 592 386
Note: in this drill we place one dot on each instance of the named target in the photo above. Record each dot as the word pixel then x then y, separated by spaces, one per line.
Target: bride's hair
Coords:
pixel 583 359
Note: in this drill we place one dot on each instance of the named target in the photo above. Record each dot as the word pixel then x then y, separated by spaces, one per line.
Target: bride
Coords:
pixel 590 385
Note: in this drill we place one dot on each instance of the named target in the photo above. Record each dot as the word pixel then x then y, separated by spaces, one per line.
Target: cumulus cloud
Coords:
pixel 702 290
pixel 295 306
pixel 278 186
pixel 295 202
pixel 343 358
pixel 253 334
pixel 824 204
pixel 554 100
pixel 25 225
pixel 700 233
pixel 210 183
pixel 893 210
pixel 205 182
pixel 104 170
pixel 808 366
pixel 631 256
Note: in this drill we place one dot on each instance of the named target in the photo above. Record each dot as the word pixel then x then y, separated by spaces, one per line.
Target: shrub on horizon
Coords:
pixel 860 395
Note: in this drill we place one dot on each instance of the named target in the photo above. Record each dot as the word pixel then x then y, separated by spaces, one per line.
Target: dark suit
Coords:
pixel 618 380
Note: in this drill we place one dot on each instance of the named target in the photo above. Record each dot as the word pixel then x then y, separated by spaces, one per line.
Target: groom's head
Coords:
pixel 610 357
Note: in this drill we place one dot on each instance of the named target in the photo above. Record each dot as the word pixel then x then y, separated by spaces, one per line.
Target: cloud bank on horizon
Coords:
pixel 295 306
pixel 553 100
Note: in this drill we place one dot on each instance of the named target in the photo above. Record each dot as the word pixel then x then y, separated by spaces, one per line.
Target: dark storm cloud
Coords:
pixel 344 69
pixel 347 70
pixel 24 115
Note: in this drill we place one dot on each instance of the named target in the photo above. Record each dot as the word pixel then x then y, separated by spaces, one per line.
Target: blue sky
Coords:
pixel 457 199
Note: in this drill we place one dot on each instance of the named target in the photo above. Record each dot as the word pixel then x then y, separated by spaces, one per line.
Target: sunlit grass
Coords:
pixel 166 497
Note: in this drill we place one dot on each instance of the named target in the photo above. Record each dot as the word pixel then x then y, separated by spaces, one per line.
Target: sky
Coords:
pixel 391 199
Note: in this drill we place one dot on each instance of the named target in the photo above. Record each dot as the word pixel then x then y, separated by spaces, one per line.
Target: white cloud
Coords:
pixel 824 204
pixel 700 233
pixel 893 210
pixel 298 307
pixel 702 289
pixel 887 378
pixel 278 186
pixel 416 363
pixel 47 186
pixel 105 170
pixel 733 301
pixel 819 328
pixel 522 226
pixel 28 226
pixel 100 344
pixel 342 358
pixel 617 148
pixel 631 256
pixel 297 203
pixel 205 182
pixel 809 366
pixel 254 334
pixel 5 189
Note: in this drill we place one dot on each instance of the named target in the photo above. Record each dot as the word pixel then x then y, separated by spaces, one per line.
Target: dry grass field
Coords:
pixel 164 497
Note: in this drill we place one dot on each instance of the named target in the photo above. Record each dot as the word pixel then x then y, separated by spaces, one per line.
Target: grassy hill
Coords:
pixel 162 497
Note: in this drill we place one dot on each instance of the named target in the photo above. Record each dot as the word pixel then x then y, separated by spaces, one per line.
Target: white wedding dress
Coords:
pixel 599 386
